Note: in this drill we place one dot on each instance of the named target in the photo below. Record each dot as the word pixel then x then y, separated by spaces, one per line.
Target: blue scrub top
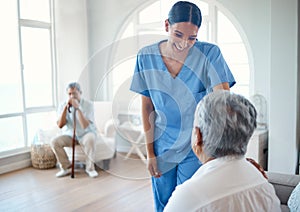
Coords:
pixel 175 99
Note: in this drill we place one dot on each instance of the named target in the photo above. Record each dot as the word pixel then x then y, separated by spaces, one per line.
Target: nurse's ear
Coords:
pixel 167 25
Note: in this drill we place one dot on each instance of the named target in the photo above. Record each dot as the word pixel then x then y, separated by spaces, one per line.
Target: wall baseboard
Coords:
pixel 15 166
pixel 15 162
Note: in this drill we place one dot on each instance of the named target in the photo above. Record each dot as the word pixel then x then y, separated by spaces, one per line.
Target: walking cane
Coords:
pixel 73 145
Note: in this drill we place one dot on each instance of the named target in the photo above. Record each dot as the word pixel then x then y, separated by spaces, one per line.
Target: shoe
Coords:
pixel 92 174
pixel 63 172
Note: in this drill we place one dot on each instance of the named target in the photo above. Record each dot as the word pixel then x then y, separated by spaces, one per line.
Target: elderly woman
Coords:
pixel 227 181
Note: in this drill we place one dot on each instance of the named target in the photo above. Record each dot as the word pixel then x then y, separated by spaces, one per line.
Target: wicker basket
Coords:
pixel 42 156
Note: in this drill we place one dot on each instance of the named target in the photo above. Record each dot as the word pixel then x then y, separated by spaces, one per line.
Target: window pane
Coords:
pixel 150 14
pixel 241 89
pixel 204 32
pixel 35 10
pixel 241 73
pixel 10 80
pixel 203 7
pixel 37 66
pixel 152 32
pixel 122 73
pixel 226 31
pixel 234 52
pixel 12 134
pixel 129 31
pixel 40 121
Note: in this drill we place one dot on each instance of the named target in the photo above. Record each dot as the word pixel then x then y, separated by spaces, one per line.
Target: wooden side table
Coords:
pixel 258 148
pixel 135 136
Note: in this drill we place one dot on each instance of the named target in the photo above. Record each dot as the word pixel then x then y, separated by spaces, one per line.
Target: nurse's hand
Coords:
pixel 152 167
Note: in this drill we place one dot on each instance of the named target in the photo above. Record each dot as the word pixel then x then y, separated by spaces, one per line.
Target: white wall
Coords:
pixel 105 19
pixel 71 42
pixel 270 27
pixel 283 86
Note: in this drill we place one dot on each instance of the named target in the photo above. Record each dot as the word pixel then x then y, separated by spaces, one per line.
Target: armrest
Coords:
pixel 284 184
pixel 110 127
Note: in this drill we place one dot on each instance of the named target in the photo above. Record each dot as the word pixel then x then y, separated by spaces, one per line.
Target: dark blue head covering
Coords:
pixel 184 11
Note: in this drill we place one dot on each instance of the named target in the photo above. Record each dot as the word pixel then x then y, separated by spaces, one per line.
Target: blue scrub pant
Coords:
pixel 176 174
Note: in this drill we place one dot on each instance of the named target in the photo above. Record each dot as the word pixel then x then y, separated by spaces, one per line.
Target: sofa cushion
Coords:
pixel 284 184
pixel 105 149
pixel 284 208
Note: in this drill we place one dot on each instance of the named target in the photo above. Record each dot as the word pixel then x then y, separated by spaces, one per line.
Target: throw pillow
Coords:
pixel 294 200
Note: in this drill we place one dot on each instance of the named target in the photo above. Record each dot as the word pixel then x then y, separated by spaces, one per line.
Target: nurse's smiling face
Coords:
pixel 182 36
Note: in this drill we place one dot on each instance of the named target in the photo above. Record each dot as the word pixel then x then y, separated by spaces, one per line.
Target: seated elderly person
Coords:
pixel 227 181
pixel 85 130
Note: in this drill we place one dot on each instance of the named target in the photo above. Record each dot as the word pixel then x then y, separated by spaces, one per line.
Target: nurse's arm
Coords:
pixel 148 117
pixel 224 86
pixel 148 124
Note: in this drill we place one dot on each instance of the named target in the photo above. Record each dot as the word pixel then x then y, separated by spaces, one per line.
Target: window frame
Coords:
pixel 50 26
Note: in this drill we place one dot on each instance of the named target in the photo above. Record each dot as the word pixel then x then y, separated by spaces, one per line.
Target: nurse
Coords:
pixel 172 76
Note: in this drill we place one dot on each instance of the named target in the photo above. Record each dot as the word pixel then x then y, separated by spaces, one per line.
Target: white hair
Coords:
pixel 226 121
pixel 74 85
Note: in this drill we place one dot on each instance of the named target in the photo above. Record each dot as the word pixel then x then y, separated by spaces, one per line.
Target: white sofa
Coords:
pixel 105 144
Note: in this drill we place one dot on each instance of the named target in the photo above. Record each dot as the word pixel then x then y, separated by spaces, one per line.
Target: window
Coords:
pixel 215 28
pixel 27 90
